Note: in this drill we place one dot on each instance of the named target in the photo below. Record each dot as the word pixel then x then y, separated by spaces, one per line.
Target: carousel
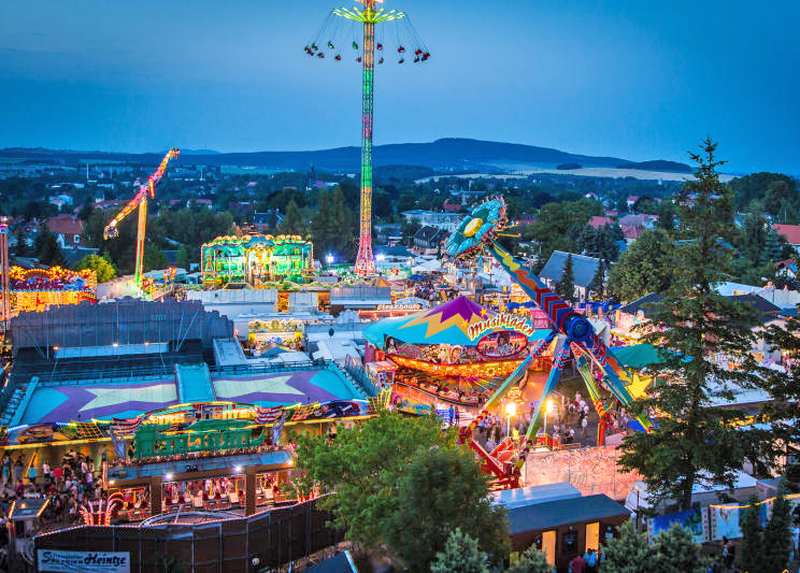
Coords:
pixel 457 352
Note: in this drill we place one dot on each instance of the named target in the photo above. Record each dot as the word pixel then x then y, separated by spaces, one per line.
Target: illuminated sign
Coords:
pixel 501 322
pixel 399 307
pixel 82 561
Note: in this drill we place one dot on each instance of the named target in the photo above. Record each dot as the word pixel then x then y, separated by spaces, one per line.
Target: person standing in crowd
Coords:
pixel 18 470
pixel 577 565
pixel 590 557
pixel 458 416
pixel 451 415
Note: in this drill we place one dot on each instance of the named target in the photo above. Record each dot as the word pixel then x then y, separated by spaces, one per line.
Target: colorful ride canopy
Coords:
pixel 448 323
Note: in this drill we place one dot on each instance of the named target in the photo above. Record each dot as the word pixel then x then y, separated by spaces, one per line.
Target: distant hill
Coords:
pixel 442 155
pixel 658 165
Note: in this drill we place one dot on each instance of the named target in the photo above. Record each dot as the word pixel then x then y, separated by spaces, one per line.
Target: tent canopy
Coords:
pixel 444 324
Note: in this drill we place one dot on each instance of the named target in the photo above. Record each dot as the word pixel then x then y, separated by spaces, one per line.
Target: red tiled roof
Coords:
pixel 597 221
pixel 67 225
pixel 632 231
pixel 789 232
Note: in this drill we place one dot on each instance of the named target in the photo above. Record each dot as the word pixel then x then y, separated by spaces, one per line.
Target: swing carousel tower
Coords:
pixel 329 39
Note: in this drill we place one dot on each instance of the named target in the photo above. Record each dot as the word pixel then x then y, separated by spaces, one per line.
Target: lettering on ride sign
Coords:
pixel 501 322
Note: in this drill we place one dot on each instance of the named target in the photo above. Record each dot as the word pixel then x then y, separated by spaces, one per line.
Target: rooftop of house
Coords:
pixel 789 232
pixel 642 304
pixel 65 224
pixel 597 222
pixel 583 268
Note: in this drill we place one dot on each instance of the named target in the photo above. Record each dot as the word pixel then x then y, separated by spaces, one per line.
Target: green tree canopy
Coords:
pixel 461 553
pixel 647 266
pixel 102 267
pixel 698 333
pixel 441 490
pixel 531 561
pixel 293 223
pixel 364 466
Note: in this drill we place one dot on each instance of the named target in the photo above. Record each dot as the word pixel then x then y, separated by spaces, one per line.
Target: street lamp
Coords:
pixel 329 259
pixel 548 407
pixel 511 409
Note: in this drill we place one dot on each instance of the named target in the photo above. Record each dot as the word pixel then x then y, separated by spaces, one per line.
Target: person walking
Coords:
pixel 458 416
pixel 584 423
pixel 451 415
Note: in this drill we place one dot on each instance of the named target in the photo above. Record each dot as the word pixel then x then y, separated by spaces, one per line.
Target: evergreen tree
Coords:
pixel 597 286
pixel 627 553
pixel 676 551
pixel 293 223
pixel 752 553
pixel 773 249
pixel 532 561
pixel 777 534
pixel 565 287
pixel 698 333
pixel 47 250
pixel 461 553
pixel 21 249
pixel 184 258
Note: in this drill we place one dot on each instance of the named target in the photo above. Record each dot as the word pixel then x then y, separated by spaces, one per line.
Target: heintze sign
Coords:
pixel 84 561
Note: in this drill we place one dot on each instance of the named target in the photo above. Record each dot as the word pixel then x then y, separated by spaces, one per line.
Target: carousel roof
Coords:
pixel 444 324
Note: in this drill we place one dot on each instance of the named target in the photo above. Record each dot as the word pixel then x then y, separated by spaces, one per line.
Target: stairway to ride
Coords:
pixel 194 383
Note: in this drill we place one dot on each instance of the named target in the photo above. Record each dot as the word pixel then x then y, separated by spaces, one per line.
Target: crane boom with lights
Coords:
pixel 145 192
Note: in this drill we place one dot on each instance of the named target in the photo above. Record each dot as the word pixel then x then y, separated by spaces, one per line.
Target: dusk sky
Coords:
pixel 633 79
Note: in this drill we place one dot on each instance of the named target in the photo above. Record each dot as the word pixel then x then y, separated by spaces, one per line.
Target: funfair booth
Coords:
pixel 457 352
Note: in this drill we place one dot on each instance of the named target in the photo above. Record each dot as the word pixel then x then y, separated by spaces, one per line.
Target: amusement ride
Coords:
pixel 145 192
pixel 476 237
pixel 334 38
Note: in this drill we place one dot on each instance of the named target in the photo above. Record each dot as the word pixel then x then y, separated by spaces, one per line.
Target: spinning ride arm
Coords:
pixel 148 188
pixel 577 329
pixel 140 201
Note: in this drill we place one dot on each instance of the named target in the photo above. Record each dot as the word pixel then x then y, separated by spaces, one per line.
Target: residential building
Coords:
pixel 428 237
pixel 789 232
pixel 597 222
pixel 267 221
pixel 67 229
pixel 445 221
pixel 583 270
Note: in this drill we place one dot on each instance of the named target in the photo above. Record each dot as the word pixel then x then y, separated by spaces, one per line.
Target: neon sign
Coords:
pixel 501 322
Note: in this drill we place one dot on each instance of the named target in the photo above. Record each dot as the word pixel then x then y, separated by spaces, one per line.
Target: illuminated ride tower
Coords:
pixel 329 40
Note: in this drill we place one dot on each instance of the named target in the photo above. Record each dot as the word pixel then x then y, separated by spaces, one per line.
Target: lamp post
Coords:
pixel 548 407
pixel 511 410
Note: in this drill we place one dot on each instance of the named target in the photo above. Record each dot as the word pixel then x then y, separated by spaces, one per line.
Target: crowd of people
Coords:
pixel 67 486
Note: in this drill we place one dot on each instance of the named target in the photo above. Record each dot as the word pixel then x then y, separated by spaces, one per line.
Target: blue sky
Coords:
pixel 633 79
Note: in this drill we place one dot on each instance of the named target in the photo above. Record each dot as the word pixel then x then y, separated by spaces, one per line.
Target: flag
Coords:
pixel 127 427
pixel 268 415
pixel 277 429
pixel 118 443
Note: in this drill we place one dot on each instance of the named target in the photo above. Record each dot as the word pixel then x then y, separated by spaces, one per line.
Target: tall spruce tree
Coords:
pixel 565 287
pixel 597 286
pixel 777 534
pixel 751 557
pixel 704 341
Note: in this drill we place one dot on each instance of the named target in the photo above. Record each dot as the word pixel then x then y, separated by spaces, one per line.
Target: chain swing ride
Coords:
pixel 353 31
pixel 140 200
pixel 475 237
